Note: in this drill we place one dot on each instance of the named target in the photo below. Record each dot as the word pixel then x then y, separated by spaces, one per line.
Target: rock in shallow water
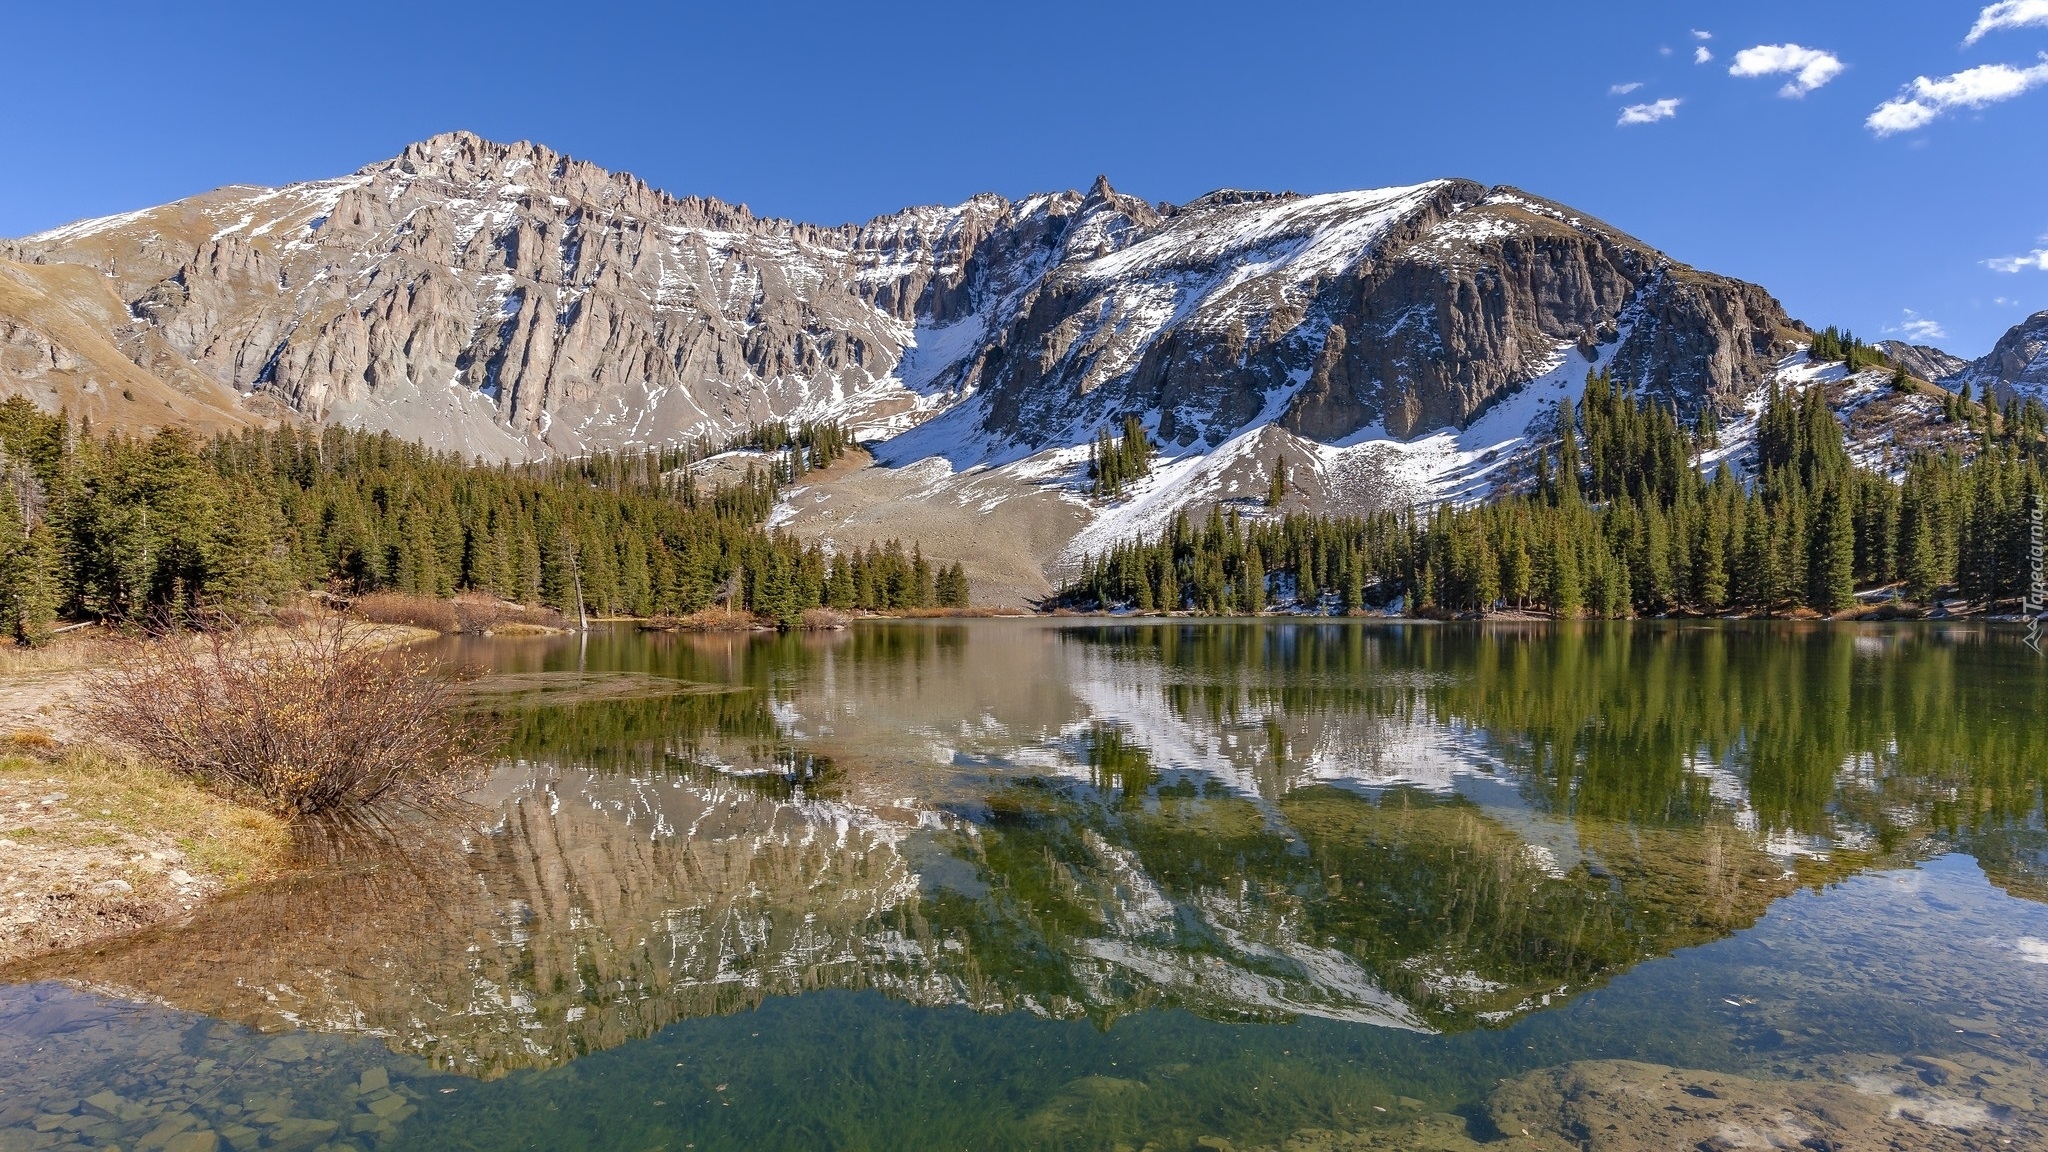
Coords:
pixel 1626 1106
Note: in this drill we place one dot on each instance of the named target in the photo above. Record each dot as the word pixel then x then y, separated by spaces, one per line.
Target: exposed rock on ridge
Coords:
pixel 2016 366
pixel 1923 361
pixel 507 300
pixel 1411 308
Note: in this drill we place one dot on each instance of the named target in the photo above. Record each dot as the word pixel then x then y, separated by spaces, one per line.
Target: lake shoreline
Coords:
pixel 1269 884
pixel 94 845
pixel 94 848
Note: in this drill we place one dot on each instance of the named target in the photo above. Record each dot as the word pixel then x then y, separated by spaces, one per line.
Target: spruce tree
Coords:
pixel 1276 488
pixel 1834 558
pixel 1565 588
pixel 1567 454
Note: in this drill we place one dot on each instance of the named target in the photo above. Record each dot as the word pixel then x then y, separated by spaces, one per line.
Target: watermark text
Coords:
pixel 2037 588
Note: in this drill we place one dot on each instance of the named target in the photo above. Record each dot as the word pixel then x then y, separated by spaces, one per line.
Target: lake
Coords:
pixel 1131 884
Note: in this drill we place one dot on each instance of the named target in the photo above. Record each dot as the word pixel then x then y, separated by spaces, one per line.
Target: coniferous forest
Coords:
pixel 107 527
pixel 1115 461
pixel 1619 521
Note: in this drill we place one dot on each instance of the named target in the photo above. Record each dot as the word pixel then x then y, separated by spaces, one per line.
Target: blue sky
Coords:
pixel 1928 217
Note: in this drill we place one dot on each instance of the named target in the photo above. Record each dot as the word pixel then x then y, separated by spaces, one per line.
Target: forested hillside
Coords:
pixel 107 527
pixel 1620 522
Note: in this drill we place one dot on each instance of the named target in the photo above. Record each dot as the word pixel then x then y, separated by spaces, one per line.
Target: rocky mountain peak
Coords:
pixel 509 300
pixel 1226 197
pixel 2017 365
pixel 1923 360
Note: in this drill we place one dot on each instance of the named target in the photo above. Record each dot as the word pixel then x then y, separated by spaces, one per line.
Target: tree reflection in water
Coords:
pixel 1428 828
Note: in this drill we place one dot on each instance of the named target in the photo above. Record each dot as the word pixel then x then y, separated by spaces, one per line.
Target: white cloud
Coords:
pixel 2008 14
pixel 1918 329
pixel 1699 35
pixel 2037 260
pixel 1649 113
pixel 1664 50
pixel 1700 55
pixel 1810 68
pixel 1901 115
pixel 1624 89
pixel 1924 100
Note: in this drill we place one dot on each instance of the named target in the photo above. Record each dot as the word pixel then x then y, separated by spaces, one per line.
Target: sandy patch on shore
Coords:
pixel 90 847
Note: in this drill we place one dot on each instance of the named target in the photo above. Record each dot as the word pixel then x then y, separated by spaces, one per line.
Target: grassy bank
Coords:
pixel 93 846
pixel 94 843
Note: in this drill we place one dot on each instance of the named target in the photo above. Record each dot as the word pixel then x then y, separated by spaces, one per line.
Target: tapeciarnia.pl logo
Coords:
pixel 2037 591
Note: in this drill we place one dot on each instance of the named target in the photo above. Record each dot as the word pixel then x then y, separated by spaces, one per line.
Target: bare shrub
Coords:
pixel 823 620
pixel 712 619
pixel 304 719
pixel 478 614
pixel 402 608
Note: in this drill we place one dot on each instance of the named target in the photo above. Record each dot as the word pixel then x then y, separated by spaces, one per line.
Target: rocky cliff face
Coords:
pixel 507 300
pixel 2016 366
pixel 1923 361
pixel 67 341
pixel 1409 309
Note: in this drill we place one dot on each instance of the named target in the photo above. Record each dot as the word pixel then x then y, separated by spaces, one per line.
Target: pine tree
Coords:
pixel 1710 563
pixel 1567 454
pixel 1834 553
pixel 1276 489
pixel 1923 570
pixel 1564 590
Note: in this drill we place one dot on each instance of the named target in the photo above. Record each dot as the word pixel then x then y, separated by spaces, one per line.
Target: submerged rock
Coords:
pixel 1626 1106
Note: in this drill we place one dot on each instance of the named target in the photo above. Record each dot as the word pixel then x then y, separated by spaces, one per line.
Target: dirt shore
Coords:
pixel 92 844
pixel 92 847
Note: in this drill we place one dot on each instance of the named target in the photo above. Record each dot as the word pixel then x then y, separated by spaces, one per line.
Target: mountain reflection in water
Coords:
pixel 1432 829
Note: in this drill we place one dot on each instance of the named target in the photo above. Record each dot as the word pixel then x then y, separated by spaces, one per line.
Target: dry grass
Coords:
pixel 823 620
pixel 412 611
pixel 478 615
pixel 301 720
pixel 68 652
pixel 120 801
pixel 484 615
pixel 712 619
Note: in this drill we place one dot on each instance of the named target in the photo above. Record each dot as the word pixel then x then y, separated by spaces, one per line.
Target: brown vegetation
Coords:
pixel 823 620
pixel 488 615
pixel 309 718
pixel 402 608
pixel 472 614
pixel 712 619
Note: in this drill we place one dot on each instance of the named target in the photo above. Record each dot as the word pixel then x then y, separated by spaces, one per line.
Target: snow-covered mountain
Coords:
pixel 2017 366
pixel 1392 345
pixel 514 302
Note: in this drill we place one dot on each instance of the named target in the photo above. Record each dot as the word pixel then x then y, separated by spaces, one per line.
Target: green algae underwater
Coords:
pixel 1165 884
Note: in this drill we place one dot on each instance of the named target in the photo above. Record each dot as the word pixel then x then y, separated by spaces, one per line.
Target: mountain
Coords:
pixel 1392 346
pixel 1922 360
pixel 510 301
pixel 66 339
pixel 2017 366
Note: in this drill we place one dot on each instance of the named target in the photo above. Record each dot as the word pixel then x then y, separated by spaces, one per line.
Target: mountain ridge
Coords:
pixel 510 302
pixel 251 285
